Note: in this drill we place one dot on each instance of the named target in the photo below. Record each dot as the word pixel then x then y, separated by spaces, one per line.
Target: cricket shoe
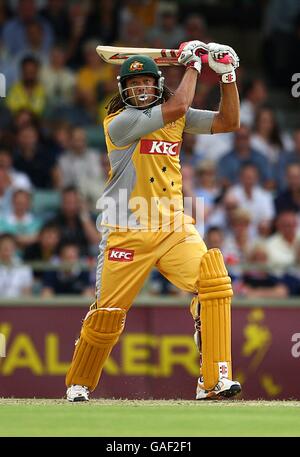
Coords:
pixel 225 388
pixel 78 393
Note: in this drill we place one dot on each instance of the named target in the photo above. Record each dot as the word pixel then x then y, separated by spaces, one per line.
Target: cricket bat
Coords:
pixel 117 55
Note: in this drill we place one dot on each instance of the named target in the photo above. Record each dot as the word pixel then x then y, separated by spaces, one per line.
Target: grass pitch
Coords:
pixel 110 418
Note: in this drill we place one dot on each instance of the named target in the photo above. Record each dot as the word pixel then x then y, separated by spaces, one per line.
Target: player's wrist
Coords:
pixel 228 77
pixel 195 65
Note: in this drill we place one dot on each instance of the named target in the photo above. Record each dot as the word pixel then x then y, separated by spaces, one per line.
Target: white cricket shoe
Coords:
pixel 78 393
pixel 225 388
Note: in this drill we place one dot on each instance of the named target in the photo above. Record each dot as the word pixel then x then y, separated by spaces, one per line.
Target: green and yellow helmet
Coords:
pixel 140 65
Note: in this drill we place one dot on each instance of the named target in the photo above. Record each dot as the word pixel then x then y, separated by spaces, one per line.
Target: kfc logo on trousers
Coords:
pixel 120 255
pixel 160 147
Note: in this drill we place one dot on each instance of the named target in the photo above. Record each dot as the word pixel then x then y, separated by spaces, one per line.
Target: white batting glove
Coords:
pixel 188 56
pixel 218 51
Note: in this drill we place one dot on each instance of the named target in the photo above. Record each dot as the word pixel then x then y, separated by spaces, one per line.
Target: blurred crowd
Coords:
pixel 53 164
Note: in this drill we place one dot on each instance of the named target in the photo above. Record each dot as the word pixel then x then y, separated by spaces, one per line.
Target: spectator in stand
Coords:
pixel 5 192
pixel 206 186
pixel 84 111
pixel 168 33
pixel 254 96
pixel 71 279
pixel 6 135
pixel 257 282
pixel 214 238
pixel 77 16
pixel 45 248
pixel 11 66
pixel 266 137
pixel 15 278
pixel 264 230
pixel 290 157
pixel 230 163
pixel 294 54
pixel 95 75
pixel 252 197
pixel 281 246
pixel 132 33
pixel 18 180
pixel 238 242
pixel 222 215
pixel 81 167
pixel 24 118
pixel 14 31
pixel 144 12
pixel 195 29
pixel 278 31
pixel 214 147
pixel 55 13
pixel 75 222
pixel 20 222
pixel 35 160
pixel 8 69
pixel 292 276
pixel 58 80
pixel 289 199
pixel 28 93
pixel 103 21
pixel 7 66
pixel 193 207
pixel 61 134
pixel 188 151
pixel 5 14
pixel 34 34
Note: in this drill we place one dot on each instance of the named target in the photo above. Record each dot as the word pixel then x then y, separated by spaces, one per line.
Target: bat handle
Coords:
pixel 203 52
pixel 225 59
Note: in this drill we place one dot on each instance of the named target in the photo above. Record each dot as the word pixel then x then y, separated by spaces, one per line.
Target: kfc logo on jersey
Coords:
pixel 120 255
pixel 160 147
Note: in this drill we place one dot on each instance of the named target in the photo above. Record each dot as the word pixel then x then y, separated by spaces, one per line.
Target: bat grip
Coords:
pixel 225 59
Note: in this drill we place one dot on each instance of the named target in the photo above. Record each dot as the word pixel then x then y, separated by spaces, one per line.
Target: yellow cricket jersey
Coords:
pixel 19 98
pixel 144 189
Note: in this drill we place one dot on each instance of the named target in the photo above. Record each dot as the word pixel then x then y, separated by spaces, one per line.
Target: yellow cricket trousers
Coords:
pixel 126 259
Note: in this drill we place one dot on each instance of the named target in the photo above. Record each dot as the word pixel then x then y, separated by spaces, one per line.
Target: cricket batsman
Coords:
pixel 143 131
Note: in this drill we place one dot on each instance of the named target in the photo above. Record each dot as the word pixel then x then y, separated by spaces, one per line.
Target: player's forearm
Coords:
pixel 229 111
pixel 185 92
pixel 179 103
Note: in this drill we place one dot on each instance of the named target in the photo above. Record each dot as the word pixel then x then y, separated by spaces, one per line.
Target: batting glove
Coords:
pixel 217 51
pixel 189 54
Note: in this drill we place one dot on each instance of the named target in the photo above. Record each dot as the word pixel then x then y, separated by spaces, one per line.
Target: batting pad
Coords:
pixel 100 332
pixel 215 294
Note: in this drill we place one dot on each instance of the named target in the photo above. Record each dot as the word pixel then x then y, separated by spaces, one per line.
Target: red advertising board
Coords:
pixel 156 356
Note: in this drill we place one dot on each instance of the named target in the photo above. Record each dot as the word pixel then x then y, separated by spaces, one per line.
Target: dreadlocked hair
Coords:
pixel 117 103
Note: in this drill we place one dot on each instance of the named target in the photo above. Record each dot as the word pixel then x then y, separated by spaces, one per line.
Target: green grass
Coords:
pixel 148 418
